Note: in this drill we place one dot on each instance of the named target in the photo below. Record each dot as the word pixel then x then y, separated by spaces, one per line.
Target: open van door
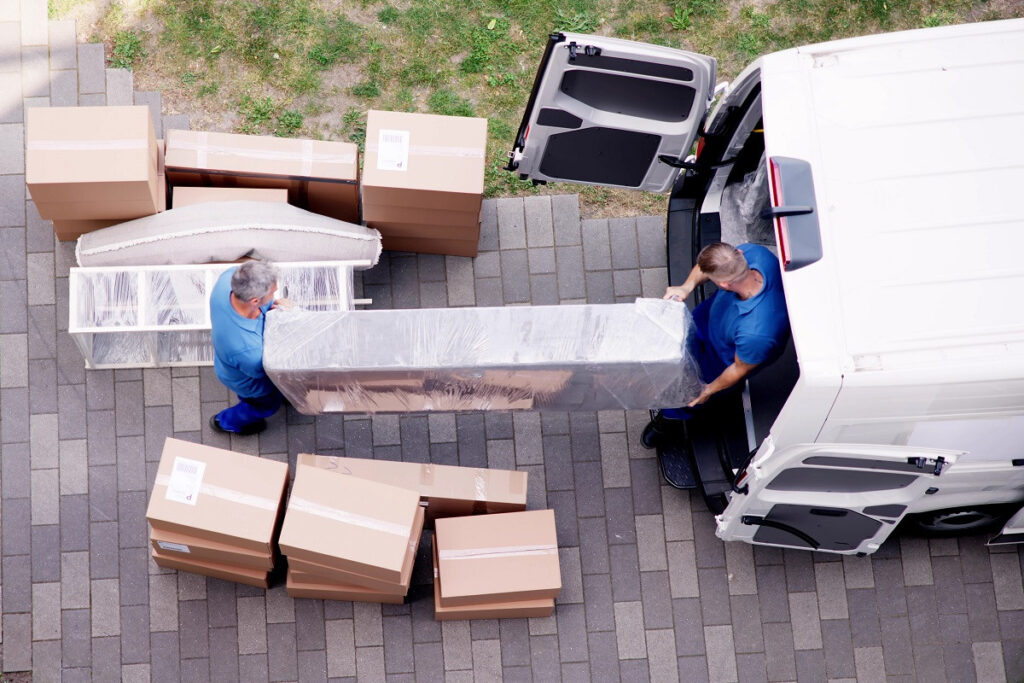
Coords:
pixel 603 111
pixel 832 497
pixel 1013 532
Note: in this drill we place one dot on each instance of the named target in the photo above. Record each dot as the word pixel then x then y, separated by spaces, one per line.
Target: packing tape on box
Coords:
pixel 345 517
pixel 487 553
pixel 436 151
pixel 86 145
pixel 227 494
pixel 305 155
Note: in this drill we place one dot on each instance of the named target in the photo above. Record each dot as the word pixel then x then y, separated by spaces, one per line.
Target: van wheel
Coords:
pixel 954 521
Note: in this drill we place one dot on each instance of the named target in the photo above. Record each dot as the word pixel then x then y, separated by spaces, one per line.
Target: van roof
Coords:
pixel 916 143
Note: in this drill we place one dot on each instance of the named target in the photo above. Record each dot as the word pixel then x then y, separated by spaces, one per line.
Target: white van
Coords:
pixel 888 174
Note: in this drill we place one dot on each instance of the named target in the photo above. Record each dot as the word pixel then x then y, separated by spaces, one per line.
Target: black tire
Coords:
pixel 958 521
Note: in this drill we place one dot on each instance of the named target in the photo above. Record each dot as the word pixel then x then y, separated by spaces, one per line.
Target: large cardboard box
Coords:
pixel 190 548
pixel 88 163
pixel 186 196
pixel 446 231
pixel 497 558
pixel 69 231
pixel 426 245
pixel 227 572
pixel 328 574
pixel 355 525
pixel 298 586
pixel 438 219
pixel 540 607
pixel 423 161
pixel 218 495
pixel 320 175
pixel 448 491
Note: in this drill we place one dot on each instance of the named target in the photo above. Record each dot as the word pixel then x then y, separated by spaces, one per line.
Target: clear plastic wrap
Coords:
pixel 153 316
pixel 741 207
pixel 581 357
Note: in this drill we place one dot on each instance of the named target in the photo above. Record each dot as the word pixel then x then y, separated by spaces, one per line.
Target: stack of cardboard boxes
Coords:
pixel 423 181
pixel 216 512
pixel 319 175
pixel 90 167
pixel 496 566
pixel 348 538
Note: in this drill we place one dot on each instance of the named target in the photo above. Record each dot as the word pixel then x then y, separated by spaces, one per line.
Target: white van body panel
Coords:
pixel 910 318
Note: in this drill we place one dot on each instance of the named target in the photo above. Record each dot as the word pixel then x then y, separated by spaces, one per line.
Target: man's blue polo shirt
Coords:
pixel 755 330
pixel 237 343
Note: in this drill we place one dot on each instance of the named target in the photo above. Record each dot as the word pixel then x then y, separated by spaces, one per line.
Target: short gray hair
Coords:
pixel 722 262
pixel 253 280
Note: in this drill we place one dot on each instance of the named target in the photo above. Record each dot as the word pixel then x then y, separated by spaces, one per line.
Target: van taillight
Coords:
pixel 700 147
pixel 781 228
pixel 794 212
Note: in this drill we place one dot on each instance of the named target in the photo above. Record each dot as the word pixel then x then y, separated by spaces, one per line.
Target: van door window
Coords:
pixel 822 480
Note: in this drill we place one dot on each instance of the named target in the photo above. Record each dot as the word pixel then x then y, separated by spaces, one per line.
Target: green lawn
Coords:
pixel 313 67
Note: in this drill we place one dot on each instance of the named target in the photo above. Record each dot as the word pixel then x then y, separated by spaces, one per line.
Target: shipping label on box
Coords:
pixel 216 494
pixel 493 558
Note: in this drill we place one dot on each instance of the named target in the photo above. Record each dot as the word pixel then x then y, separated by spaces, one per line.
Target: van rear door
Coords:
pixel 603 110
pixel 832 497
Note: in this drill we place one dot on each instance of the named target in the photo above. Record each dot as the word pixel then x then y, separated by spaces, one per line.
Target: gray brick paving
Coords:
pixel 648 591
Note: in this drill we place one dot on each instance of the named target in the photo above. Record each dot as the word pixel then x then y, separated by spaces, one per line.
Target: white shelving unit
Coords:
pixel 159 316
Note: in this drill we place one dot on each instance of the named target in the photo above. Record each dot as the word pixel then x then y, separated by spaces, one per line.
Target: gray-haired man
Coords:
pixel 238 306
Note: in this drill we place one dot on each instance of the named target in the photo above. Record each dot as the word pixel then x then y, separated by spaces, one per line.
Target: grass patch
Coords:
pixel 127 50
pixel 309 67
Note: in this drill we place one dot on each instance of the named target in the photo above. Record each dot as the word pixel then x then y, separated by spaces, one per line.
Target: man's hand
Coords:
pixel 283 304
pixel 704 396
pixel 677 293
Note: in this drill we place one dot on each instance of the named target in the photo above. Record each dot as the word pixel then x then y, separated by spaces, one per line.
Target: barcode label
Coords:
pixel 393 150
pixel 185 480
pixel 176 547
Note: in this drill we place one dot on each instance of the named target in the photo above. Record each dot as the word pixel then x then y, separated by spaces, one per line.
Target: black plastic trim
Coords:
pixel 558 118
pixel 633 66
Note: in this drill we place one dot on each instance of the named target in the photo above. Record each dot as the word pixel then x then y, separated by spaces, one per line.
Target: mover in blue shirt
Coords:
pixel 238 306
pixel 742 327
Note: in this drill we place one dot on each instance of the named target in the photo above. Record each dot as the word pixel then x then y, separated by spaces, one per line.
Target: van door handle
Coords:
pixel 783 211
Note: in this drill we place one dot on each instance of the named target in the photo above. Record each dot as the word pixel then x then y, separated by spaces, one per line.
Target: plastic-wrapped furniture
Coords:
pixel 580 357
pixel 158 316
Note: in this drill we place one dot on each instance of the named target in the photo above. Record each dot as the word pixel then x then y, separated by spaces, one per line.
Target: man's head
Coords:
pixel 723 263
pixel 254 282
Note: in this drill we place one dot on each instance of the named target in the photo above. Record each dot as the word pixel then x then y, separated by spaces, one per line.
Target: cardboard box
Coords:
pixel 299 587
pixel 218 495
pixel 69 231
pixel 320 175
pixel 448 491
pixel 540 607
pixel 227 572
pixel 424 161
pixel 186 196
pixel 355 525
pixel 497 558
pixel 426 245
pixel 190 548
pixel 428 218
pixel 446 231
pixel 328 574
pixel 88 163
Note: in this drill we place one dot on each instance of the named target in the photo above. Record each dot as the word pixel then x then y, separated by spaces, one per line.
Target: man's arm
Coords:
pixel 680 292
pixel 729 377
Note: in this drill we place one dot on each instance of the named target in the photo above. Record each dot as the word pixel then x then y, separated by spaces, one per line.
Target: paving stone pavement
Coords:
pixel 649 592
